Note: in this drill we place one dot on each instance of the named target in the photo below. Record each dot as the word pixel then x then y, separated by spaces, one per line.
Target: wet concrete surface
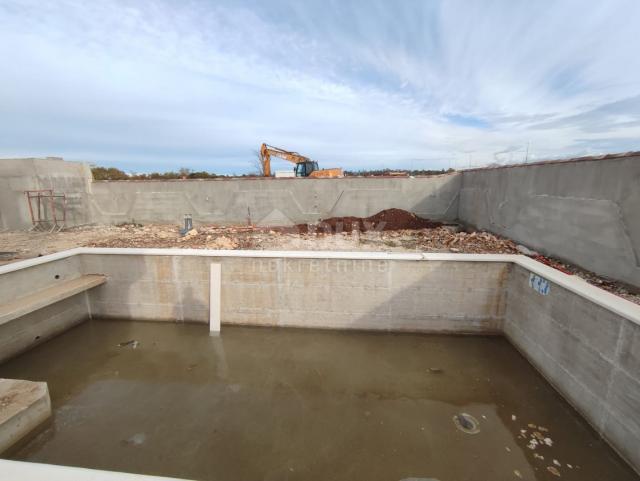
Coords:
pixel 292 404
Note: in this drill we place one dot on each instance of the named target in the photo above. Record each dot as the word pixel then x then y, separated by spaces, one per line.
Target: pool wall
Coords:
pixel 584 340
pixel 36 327
pixel 587 352
pixel 386 294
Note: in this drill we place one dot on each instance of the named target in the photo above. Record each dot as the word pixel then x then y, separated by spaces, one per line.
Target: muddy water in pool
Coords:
pixel 285 404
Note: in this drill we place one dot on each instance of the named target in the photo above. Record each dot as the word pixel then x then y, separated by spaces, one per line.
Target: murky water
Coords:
pixel 285 404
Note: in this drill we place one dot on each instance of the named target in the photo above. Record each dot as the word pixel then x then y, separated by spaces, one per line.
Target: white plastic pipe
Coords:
pixel 215 283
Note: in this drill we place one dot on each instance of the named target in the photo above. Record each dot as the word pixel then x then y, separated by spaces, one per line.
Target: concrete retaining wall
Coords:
pixel 272 201
pixel 325 293
pixel 19 175
pixel 585 212
pixel 590 354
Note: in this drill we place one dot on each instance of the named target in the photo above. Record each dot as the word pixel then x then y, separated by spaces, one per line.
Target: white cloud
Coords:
pixel 358 84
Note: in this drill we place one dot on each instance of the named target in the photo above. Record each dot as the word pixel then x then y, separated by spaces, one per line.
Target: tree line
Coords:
pixel 113 173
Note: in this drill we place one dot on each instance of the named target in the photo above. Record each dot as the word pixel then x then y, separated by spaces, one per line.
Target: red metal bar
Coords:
pixel 30 207
pixel 52 203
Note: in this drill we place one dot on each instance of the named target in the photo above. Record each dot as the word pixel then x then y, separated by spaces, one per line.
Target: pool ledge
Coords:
pixel 598 296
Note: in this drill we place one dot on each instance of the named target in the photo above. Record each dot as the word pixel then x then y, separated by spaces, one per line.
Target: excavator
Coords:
pixel 305 167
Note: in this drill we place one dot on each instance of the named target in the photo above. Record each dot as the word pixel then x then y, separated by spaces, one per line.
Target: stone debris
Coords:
pixel 536 441
pixel 133 343
pixel 526 251
pixel 408 233
pixel 553 470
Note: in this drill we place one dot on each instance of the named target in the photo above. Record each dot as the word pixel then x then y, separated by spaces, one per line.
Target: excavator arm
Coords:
pixel 266 151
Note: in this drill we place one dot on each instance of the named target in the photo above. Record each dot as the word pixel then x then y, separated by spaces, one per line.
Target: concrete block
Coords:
pixel 24 405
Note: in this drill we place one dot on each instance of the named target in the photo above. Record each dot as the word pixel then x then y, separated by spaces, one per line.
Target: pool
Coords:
pixel 285 403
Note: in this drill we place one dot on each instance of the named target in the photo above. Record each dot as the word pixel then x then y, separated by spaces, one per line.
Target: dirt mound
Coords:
pixel 389 219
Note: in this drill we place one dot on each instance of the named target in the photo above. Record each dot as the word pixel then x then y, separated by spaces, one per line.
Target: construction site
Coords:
pixel 321 326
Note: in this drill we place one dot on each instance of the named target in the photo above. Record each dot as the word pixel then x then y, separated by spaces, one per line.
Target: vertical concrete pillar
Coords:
pixel 215 282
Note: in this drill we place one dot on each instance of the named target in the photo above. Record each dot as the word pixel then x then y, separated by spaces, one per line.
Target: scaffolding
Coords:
pixel 50 210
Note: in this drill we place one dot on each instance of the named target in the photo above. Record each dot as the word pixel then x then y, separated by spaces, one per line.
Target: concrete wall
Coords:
pixel 272 201
pixel 585 212
pixel 590 354
pixel 32 329
pixel 325 293
pixel 19 175
pixel 584 340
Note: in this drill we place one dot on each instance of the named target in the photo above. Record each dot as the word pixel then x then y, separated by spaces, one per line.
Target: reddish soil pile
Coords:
pixel 389 219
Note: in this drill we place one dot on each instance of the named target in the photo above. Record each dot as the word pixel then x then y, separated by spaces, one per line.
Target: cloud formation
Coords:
pixel 154 85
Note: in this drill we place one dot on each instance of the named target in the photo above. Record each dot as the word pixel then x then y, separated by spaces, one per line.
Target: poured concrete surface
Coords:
pixel 263 403
pixel 35 300
pixel 591 355
pixel 24 405
pixel 583 212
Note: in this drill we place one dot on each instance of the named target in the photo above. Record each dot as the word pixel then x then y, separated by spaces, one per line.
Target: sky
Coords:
pixel 423 84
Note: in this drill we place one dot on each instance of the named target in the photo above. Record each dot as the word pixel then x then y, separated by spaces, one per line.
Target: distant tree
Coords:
pixel 111 173
pixel 108 173
pixel 201 175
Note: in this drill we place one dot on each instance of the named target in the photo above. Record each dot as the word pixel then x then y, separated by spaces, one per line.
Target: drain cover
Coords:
pixel 466 423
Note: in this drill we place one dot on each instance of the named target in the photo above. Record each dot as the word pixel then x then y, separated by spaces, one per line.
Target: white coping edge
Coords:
pixel 22 470
pixel 575 284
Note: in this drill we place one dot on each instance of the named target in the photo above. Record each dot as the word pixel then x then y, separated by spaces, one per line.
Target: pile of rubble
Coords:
pixel 437 239
pixel 385 220
pixel 451 240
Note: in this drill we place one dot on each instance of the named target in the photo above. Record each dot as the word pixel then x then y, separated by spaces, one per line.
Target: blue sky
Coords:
pixel 158 85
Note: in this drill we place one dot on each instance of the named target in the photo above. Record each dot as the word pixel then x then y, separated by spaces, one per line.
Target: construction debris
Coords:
pixel 391 230
pixel 386 220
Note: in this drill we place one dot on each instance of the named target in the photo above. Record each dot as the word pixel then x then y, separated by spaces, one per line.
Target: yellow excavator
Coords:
pixel 305 167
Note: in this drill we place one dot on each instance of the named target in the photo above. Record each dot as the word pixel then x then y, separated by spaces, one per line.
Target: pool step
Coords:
pixel 24 405
pixel 37 300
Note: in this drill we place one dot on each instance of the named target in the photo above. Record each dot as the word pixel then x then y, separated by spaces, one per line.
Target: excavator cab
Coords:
pixel 304 169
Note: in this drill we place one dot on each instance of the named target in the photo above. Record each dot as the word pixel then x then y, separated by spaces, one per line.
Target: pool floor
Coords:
pixel 293 404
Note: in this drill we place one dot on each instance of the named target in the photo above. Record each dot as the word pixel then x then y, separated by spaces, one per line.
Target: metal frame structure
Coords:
pixel 39 218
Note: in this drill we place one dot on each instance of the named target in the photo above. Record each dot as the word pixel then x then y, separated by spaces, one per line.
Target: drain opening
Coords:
pixel 466 423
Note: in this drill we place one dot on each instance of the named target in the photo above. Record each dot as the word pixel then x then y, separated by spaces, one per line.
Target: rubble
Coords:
pixel 385 220
pixel 402 232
